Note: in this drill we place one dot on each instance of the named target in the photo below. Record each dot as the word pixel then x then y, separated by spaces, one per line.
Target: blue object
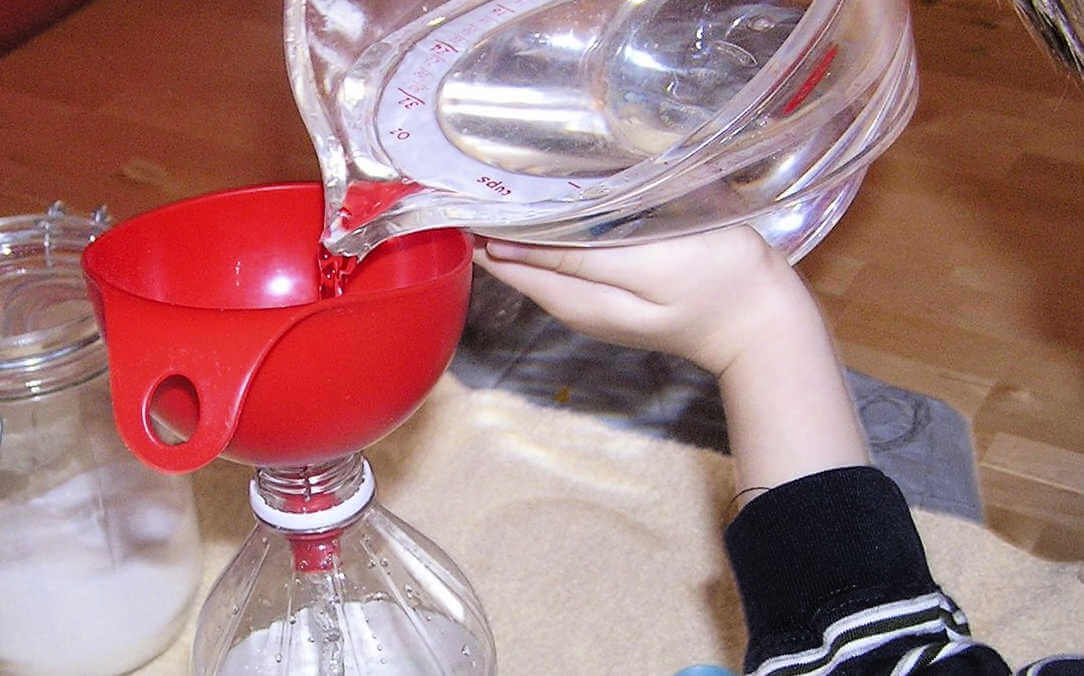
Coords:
pixel 704 670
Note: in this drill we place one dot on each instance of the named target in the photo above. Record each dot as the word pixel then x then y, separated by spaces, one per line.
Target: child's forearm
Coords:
pixel 788 411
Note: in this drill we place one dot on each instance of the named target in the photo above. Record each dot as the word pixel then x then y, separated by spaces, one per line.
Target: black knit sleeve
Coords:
pixel 833 578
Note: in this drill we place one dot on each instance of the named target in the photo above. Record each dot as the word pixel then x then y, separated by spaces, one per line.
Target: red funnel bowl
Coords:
pixel 210 312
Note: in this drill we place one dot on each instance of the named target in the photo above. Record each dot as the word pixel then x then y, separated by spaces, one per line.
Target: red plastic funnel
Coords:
pixel 210 312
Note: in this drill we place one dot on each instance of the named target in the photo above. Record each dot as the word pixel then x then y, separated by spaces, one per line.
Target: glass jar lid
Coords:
pixel 49 337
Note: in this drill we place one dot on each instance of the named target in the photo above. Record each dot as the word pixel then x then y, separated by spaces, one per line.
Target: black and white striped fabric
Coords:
pixel 834 580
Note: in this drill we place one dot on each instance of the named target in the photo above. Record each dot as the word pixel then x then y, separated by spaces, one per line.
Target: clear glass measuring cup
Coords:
pixel 598 121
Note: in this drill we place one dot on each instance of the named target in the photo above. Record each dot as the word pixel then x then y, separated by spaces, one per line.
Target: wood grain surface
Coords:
pixel 958 272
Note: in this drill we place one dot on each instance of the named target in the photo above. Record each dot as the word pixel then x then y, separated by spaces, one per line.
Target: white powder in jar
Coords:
pixel 97 572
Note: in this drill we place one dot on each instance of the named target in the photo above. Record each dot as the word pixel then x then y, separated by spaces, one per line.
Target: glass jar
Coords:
pixel 99 555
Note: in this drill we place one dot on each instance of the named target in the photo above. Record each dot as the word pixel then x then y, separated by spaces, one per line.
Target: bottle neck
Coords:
pixel 312 498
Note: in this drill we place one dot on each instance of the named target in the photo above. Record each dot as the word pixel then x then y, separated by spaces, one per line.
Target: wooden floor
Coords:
pixel 958 272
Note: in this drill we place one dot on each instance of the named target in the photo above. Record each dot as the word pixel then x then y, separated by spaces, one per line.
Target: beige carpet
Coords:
pixel 597 551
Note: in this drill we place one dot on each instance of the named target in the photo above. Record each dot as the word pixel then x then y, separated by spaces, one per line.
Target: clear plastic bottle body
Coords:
pixel 99 555
pixel 368 597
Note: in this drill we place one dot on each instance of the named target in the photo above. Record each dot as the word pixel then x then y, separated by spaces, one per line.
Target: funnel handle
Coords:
pixel 217 352
pixel 215 424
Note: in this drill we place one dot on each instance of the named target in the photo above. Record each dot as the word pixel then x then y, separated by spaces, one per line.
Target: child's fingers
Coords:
pixel 550 287
pixel 656 271
pixel 593 307
pixel 633 268
pixel 597 265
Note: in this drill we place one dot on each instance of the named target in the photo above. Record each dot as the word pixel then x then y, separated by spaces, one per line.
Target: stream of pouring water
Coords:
pixel 335 271
pixel 364 201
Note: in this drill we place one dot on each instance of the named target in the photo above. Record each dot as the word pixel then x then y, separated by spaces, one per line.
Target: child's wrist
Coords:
pixel 778 305
pixel 788 411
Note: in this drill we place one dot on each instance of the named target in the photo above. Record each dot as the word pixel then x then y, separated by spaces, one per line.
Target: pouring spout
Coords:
pixel 357 227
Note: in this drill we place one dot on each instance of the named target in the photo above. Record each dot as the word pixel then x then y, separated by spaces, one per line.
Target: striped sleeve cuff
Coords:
pixel 819 549
pixel 902 637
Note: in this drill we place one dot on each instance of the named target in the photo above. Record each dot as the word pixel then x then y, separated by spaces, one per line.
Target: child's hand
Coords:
pixel 702 297
pixel 731 304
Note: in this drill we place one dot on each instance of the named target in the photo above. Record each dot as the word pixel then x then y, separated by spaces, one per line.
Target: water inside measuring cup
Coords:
pixel 518 101
pixel 553 94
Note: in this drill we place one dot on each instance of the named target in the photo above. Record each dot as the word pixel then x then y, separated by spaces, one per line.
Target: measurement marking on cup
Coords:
pixel 811 82
pixel 409 100
pixel 406 111
pixel 442 47
pixel 495 185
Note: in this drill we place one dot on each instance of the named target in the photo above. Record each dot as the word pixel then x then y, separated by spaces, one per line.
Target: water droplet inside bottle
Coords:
pixel 372 564
pixel 278 657
pixel 465 651
pixel 379 646
pixel 384 562
pixel 235 610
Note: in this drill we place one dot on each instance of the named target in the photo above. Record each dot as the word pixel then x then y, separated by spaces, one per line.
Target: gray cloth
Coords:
pixel 512 344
